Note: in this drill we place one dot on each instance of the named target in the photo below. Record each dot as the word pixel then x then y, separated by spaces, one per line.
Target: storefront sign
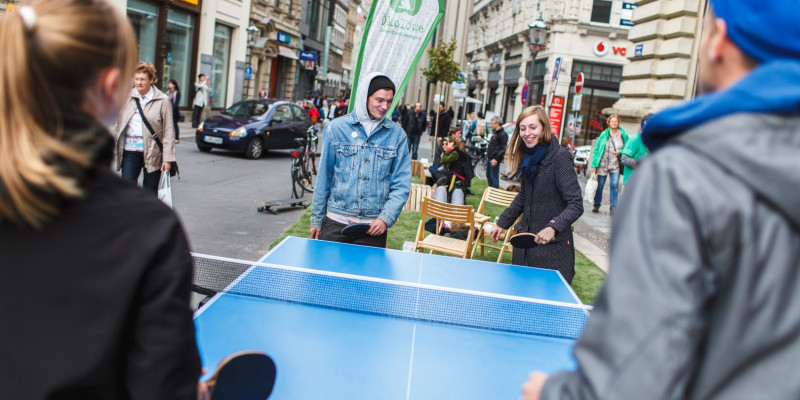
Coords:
pixel 284 38
pixel 626 16
pixel 308 55
pixel 401 30
pixel 556 112
pixel 601 48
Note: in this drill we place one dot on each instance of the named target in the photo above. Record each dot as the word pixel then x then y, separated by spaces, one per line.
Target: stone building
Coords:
pixel 275 50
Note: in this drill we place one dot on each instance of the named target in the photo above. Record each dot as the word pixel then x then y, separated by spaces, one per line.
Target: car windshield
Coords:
pixel 248 109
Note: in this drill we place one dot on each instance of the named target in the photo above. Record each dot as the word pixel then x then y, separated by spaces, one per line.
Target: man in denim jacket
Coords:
pixel 365 170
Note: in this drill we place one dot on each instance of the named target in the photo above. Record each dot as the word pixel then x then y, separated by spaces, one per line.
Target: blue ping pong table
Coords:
pixel 326 348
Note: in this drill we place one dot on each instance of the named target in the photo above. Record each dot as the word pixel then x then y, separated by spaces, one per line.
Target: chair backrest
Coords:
pixel 447 212
pixel 417 169
pixel 496 196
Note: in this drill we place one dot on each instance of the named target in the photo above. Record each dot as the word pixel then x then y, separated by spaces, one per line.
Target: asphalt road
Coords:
pixel 218 195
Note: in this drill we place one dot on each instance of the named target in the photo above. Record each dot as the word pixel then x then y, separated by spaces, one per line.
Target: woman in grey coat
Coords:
pixel 549 201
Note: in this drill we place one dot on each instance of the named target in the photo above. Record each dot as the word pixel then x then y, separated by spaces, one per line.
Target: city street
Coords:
pixel 218 195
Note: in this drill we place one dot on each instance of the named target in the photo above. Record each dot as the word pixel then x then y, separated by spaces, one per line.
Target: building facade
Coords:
pixel 274 50
pixel 583 36
pixel 184 38
pixel 663 67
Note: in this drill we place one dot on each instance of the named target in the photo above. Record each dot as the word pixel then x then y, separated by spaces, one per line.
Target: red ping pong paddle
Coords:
pixel 246 375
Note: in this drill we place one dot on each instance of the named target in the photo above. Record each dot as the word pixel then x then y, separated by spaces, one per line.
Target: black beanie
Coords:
pixel 378 83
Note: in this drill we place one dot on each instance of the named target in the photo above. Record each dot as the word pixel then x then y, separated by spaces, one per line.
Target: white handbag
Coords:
pixel 591 188
pixel 165 189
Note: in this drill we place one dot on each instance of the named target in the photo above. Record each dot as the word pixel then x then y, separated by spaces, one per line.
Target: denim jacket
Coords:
pixel 362 176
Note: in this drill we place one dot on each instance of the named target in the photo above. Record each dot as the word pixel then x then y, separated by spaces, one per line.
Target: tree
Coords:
pixel 442 69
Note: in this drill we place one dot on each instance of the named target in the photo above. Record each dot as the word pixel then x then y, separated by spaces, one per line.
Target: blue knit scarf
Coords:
pixel 772 87
pixel 530 161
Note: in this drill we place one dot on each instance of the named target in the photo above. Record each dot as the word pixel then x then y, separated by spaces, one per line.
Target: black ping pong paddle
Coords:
pixel 523 240
pixel 355 231
pixel 246 375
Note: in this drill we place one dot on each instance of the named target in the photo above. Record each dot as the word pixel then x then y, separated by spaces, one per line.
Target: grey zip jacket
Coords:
pixel 703 296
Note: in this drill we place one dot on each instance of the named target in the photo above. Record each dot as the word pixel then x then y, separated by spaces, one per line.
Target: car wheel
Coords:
pixel 255 149
pixel 204 149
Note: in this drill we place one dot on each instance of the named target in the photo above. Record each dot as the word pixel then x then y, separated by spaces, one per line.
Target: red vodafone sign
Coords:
pixel 579 83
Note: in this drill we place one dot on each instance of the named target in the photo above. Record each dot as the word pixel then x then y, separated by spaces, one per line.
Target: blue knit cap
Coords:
pixel 763 29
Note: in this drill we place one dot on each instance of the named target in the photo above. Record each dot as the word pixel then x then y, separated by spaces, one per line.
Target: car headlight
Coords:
pixel 200 127
pixel 239 132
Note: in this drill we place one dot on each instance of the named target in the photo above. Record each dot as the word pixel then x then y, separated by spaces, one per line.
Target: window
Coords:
pixel 299 114
pixel 601 11
pixel 144 18
pixel 219 69
pixel 283 113
pixel 179 52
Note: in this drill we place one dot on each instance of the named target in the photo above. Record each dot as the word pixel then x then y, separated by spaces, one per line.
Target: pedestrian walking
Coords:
pixel 174 94
pixel 606 163
pixel 495 152
pixel 147 113
pixel 634 152
pixel 201 90
pixel 414 127
pixel 703 301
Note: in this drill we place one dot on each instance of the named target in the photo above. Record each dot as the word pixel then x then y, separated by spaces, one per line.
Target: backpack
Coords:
pixel 480 128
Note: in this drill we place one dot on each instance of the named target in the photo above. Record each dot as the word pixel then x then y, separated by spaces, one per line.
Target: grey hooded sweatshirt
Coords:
pixel 703 296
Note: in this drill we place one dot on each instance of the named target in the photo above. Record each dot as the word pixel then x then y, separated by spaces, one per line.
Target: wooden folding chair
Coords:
pixel 418 170
pixel 500 198
pixel 445 212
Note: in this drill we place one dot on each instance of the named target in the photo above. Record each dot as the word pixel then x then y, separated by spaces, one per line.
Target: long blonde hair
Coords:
pixel 517 150
pixel 51 53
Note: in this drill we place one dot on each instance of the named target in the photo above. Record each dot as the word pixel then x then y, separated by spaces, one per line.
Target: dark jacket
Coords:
pixel 703 301
pixel 176 107
pixel 553 200
pixel 413 123
pixel 96 304
pixel 444 123
pixel 496 150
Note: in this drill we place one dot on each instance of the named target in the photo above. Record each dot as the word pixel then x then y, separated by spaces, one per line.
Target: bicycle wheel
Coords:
pixel 305 179
pixel 295 173
pixel 480 168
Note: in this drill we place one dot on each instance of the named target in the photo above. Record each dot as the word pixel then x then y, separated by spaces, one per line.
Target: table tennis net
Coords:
pixel 389 298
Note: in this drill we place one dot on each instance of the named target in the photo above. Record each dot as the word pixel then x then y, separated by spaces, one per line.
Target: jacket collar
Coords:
pixel 552 150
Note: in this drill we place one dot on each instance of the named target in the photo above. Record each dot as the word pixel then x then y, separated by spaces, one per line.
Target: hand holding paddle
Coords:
pixel 377 227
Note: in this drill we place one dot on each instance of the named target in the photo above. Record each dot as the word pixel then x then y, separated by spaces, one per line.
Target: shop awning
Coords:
pixel 284 51
pixel 469 100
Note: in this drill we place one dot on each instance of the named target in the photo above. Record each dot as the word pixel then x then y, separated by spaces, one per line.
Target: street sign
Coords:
pixel 524 94
pixel 284 38
pixel 579 83
pixel 248 73
pixel 639 50
pixel 557 68
pixel 576 102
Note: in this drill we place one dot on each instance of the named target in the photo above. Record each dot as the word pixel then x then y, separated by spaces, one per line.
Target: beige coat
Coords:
pixel 159 114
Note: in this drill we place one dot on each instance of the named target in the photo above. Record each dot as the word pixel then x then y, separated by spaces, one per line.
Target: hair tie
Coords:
pixel 28 17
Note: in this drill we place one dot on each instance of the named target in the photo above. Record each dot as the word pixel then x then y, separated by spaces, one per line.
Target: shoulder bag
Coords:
pixel 173 165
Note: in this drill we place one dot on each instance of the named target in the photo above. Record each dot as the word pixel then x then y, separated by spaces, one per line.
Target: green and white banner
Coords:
pixel 395 36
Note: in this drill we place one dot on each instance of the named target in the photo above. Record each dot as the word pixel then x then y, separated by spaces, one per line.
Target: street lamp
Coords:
pixel 252 30
pixel 538 32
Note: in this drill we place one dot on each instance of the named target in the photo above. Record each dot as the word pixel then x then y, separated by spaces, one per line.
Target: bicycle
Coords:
pixel 304 163
pixel 477 155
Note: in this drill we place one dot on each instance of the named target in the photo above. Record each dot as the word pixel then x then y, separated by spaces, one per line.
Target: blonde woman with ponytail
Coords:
pixel 94 291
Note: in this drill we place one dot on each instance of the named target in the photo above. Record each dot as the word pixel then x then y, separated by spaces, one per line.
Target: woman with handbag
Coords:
pixel 144 131
pixel 549 200
pixel 606 161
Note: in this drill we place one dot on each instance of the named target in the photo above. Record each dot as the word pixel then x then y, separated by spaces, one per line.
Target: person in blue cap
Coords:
pixel 703 298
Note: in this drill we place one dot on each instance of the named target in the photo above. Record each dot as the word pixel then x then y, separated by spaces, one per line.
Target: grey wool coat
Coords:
pixel 553 200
